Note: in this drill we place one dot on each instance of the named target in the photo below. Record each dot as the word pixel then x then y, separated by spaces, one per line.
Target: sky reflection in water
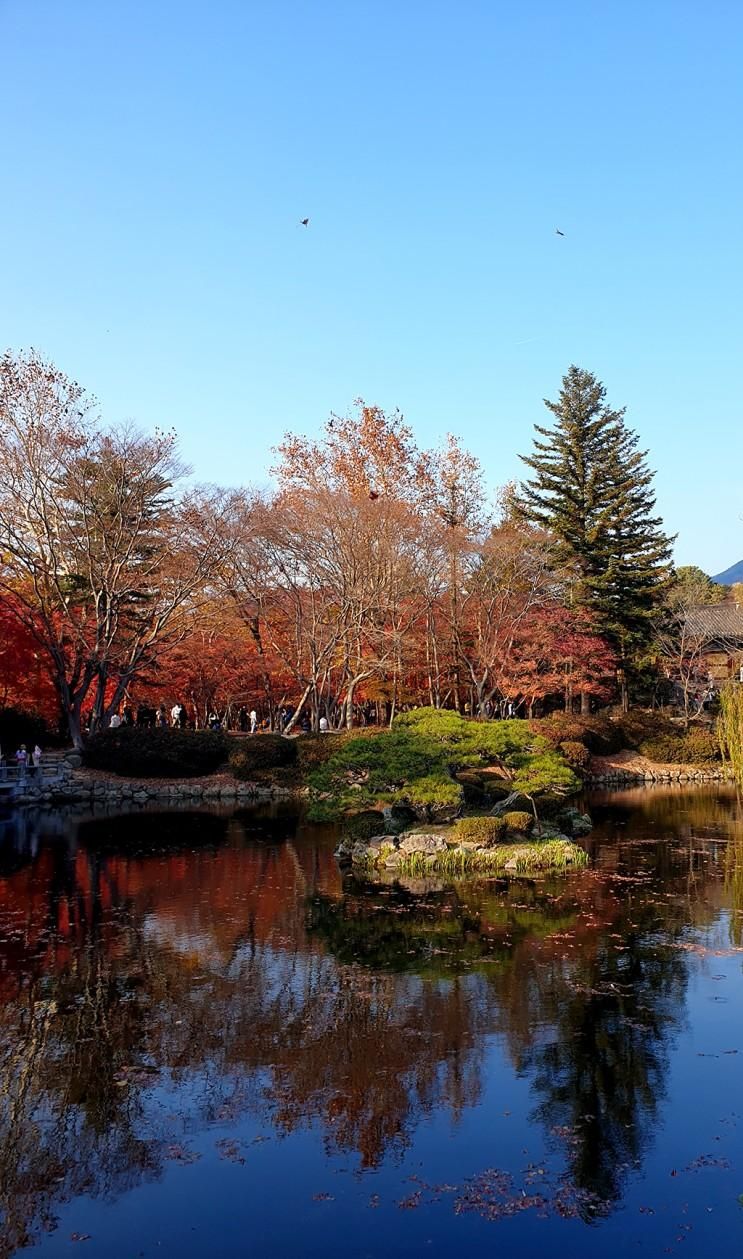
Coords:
pixel 211 1041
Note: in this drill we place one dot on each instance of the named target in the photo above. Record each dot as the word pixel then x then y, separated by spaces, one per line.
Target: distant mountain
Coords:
pixel 733 574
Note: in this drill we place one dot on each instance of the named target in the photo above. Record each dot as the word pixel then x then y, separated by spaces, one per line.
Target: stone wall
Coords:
pixel 628 777
pixel 71 785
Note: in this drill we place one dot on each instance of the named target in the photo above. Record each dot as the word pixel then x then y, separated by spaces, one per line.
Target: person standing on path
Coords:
pixel 253 721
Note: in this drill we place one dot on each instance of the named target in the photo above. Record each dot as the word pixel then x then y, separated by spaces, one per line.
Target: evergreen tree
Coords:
pixel 591 489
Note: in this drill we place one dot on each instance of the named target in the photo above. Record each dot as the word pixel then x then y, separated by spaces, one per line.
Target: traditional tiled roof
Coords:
pixel 719 621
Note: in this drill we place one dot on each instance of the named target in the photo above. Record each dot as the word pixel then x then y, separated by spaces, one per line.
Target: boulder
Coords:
pixel 398 818
pixel 574 823
pixel 344 851
pixel 414 842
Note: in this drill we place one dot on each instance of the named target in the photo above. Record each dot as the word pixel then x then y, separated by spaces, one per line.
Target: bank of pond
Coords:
pixel 210 1029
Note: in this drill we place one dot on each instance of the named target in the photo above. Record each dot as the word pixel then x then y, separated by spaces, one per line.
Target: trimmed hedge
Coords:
pixel 484 831
pixel 519 821
pixel 701 746
pixel 597 733
pixel 365 825
pixel 261 751
pixel 156 753
pixel 694 747
pixel 603 734
pixel 576 754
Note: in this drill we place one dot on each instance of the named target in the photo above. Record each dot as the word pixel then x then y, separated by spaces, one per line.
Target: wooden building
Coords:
pixel 717 630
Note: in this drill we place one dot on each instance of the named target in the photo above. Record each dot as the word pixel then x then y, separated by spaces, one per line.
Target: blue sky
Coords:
pixel 158 155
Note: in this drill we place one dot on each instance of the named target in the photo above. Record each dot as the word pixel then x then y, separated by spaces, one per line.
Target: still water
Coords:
pixel 213 1043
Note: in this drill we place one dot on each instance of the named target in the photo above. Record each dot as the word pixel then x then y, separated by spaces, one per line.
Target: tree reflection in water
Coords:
pixel 229 963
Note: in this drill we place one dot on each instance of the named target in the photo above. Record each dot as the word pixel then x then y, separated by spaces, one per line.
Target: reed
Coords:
pixel 549 854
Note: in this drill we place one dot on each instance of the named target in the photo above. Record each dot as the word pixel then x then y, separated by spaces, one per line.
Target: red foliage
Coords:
pixel 556 654
pixel 25 682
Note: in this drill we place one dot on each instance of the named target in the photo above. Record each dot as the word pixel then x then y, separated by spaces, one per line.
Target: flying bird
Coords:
pixel 304 222
pixel 558 232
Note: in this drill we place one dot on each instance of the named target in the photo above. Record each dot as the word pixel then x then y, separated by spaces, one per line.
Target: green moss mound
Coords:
pixel 480 830
pixel 130 751
pixel 364 826
pixel 519 821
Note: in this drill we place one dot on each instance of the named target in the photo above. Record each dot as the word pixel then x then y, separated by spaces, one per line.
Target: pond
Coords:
pixel 213 1042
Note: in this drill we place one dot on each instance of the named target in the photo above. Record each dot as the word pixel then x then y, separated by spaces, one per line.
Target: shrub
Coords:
pixel 701 746
pixel 261 751
pixel 596 732
pixel 576 754
pixel 602 733
pixel 518 821
pixel 695 747
pixel 665 749
pixel 156 753
pixel 314 750
pixel 363 826
pixel 484 831
pixel 640 725
pixel 414 764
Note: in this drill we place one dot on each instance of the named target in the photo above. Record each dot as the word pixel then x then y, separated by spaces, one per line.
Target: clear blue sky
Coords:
pixel 158 154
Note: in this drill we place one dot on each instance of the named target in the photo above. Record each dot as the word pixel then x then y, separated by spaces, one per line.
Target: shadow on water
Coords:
pixel 221 955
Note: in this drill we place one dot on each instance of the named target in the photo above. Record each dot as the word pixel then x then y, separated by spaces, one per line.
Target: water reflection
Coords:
pixel 219 956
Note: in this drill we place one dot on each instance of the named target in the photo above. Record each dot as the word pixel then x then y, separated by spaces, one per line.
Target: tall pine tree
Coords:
pixel 591 489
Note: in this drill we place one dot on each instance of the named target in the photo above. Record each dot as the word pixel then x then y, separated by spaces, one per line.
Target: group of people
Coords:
pixel 247 720
pixel 148 717
pixel 24 759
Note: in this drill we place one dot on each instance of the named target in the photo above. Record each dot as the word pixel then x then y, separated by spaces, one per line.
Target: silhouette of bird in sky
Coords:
pixel 558 232
pixel 304 222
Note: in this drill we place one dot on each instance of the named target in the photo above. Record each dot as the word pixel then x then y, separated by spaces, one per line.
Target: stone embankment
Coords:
pixel 73 784
pixel 630 769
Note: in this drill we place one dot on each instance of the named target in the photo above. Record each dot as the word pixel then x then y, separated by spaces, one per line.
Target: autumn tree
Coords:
pixel 511 578
pixel 346 544
pixel 456 499
pixel 100 550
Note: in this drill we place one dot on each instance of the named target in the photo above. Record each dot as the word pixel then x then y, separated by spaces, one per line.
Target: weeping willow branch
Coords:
pixel 730 728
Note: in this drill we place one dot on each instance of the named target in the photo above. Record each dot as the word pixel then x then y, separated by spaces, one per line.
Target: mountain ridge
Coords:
pixel 731 575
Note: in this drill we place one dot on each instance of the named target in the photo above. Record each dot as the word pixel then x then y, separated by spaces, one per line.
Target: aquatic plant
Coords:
pixel 540 855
